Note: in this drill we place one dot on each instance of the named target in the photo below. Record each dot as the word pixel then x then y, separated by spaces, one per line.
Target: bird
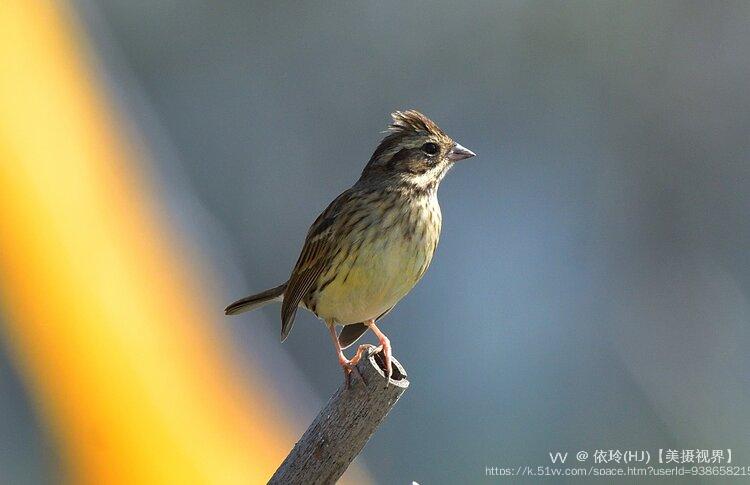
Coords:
pixel 373 243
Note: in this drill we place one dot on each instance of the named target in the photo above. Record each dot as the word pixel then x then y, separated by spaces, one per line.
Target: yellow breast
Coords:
pixel 383 265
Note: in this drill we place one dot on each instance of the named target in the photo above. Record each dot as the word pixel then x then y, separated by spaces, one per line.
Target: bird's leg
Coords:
pixel 385 346
pixel 349 366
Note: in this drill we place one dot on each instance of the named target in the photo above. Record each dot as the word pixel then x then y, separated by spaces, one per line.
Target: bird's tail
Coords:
pixel 256 301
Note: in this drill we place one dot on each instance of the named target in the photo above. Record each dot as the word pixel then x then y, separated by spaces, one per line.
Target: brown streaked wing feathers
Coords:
pixel 315 256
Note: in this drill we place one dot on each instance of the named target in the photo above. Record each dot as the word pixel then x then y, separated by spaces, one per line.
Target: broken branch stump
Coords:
pixel 344 425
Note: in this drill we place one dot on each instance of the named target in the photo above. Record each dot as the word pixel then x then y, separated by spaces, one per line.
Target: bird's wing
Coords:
pixel 316 254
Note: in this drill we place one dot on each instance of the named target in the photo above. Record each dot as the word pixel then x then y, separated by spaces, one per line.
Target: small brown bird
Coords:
pixel 374 242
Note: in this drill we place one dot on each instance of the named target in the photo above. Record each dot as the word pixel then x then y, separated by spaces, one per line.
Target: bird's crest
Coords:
pixel 413 121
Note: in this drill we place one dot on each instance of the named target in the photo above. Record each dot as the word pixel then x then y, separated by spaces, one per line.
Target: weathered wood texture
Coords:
pixel 342 428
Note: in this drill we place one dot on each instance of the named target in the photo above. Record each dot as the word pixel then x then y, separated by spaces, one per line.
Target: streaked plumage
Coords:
pixel 374 242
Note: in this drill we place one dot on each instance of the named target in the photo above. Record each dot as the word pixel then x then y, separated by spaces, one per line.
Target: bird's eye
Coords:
pixel 430 148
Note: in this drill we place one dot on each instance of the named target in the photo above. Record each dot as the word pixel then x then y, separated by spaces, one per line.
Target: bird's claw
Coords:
pixel 386 349
pixel 350 369
pixel 350 365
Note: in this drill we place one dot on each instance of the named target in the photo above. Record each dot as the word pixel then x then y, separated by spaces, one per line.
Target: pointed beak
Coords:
pixel 459 153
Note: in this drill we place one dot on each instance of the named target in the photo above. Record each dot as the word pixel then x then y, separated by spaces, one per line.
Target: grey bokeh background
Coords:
pixel 591 285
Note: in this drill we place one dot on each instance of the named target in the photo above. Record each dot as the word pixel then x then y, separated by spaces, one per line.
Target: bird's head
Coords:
pixel 416 152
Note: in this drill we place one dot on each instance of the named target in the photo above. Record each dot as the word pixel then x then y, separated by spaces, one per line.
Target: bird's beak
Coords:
pixel 459 153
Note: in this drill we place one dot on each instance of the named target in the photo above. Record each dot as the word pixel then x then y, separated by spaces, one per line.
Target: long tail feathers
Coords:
pixel 351 333
pixel 256 301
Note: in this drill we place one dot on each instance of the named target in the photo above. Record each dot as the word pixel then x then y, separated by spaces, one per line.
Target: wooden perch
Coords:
pixel 344 425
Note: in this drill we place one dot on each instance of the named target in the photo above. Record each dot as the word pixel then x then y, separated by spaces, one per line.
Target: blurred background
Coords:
pixel 160 159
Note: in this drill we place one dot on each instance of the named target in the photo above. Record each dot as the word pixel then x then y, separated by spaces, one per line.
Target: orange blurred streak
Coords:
pixel 109 336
